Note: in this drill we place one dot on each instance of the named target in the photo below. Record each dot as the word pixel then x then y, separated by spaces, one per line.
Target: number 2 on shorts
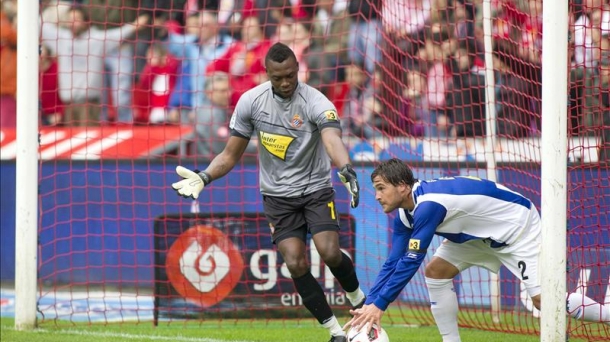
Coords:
pixel 523 267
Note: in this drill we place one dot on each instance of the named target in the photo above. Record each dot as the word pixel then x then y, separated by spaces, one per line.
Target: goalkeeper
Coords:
pixel 299 135
pixel 484 224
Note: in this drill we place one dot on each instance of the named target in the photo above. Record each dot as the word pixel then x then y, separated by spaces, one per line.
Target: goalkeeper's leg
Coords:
pixel 293 252
pixel 341 266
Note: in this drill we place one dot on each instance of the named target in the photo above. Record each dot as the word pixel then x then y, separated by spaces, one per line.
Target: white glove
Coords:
pixel 192 184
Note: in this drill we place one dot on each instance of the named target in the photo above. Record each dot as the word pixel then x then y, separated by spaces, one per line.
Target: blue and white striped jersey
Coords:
pixel 457 208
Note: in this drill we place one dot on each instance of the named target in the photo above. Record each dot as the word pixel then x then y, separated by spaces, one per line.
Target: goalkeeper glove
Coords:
pixel 192 184
pixel 350 180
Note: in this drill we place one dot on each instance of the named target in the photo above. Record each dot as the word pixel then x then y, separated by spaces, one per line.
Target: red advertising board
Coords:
pixel 108 142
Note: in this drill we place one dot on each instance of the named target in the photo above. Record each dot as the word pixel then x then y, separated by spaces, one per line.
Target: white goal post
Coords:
pixel 490 137
pixel 554 170
pixel 26 202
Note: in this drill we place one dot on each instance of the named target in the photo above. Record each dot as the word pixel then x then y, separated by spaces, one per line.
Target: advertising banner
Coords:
pixel 224 265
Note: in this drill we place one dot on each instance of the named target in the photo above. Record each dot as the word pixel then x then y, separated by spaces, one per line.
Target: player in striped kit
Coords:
pixel 299 134
pixel 484 224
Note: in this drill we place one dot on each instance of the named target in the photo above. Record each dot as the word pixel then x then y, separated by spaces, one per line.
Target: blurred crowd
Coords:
pixel 404 68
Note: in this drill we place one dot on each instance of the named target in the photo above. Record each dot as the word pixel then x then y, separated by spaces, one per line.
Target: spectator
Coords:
pixel 52 108
pixel 329 48
pixel 272 13
pixel 118 63
pixel 466 97
pixel 587 33
pixel 232 15
pixel 414 106
pixel 514 116
pixel 439 45
pixel 285 32
pixel 201 44
pixel 211 118
pixel 405 23
pixel 56 11
pixel 297 36
pixel 156 32
pixel 181 98
pixel 605 28
pixel 361 108
pixel 464 16
pixel 152 92
pixel 365 32
pixel 8 64
pixel 80 50
pixel 244 60
pixel 597 106
pixel 192 7
pixel 403 19
pixel 168 17
pixel 587 41
pixel 518 43
pixel 331 25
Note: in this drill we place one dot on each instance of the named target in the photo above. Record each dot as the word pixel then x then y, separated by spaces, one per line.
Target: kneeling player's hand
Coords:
pixel 350 180
pixel 191 184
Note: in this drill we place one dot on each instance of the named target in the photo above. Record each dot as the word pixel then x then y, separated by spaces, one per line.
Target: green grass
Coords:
pixel 251 330
pixel 402 324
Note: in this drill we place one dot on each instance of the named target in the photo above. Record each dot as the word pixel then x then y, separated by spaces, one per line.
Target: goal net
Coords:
pixel 130 90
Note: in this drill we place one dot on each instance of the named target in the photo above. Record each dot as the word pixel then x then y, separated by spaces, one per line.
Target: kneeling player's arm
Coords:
pixel 404 271
pixel 400 237
pixel 427 217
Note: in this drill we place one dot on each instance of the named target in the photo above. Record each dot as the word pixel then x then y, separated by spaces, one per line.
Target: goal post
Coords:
pixel 554 166
pixel 26 216
pixel 490 137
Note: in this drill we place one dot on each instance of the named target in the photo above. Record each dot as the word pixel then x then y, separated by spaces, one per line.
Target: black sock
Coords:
pixel 346 274
pixel 313 297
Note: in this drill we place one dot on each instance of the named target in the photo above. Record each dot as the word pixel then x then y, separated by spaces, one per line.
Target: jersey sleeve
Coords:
pixel 427 216
pixel 322 111
pixel 241 120
pixel 401 234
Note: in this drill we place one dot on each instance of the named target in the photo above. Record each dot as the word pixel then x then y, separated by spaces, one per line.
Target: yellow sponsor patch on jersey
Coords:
pixel 414 245
pixel 331 115
pixel 276 144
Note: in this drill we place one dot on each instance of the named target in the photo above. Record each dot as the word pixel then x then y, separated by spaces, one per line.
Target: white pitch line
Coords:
pixel 126 336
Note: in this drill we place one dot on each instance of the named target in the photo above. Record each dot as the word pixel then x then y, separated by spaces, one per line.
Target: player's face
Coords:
pixel 389 196
pixel 283 76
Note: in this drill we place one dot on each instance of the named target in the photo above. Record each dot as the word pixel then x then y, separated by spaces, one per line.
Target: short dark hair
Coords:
pixel 76 7
pixel 395 172
pixel 279 53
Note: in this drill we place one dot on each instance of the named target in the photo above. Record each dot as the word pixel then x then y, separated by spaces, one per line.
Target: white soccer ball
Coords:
pixel 377 334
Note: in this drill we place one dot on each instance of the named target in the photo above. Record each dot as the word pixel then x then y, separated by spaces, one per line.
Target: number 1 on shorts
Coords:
pixel 331 205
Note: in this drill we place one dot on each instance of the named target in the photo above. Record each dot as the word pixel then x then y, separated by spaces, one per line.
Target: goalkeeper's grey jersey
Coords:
pixel 292 158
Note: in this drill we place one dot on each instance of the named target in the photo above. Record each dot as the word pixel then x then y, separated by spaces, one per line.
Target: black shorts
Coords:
pixel 295 217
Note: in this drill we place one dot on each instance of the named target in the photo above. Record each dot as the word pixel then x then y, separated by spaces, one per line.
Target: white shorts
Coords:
pixel 520 258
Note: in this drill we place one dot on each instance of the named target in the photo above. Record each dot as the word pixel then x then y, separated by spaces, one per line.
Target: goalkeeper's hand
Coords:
pixel 350 180
pixel 192 184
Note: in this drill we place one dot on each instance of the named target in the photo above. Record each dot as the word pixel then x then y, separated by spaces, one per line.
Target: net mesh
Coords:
pixel 130 89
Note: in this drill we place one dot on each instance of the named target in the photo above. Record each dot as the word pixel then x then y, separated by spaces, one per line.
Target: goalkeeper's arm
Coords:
pixel 338 154
pixel 193 182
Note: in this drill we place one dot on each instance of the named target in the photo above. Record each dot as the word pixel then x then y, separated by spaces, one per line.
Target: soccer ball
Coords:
pixel 377 334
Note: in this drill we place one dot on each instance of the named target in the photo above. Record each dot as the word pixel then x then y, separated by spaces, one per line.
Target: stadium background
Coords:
pixel 104 182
